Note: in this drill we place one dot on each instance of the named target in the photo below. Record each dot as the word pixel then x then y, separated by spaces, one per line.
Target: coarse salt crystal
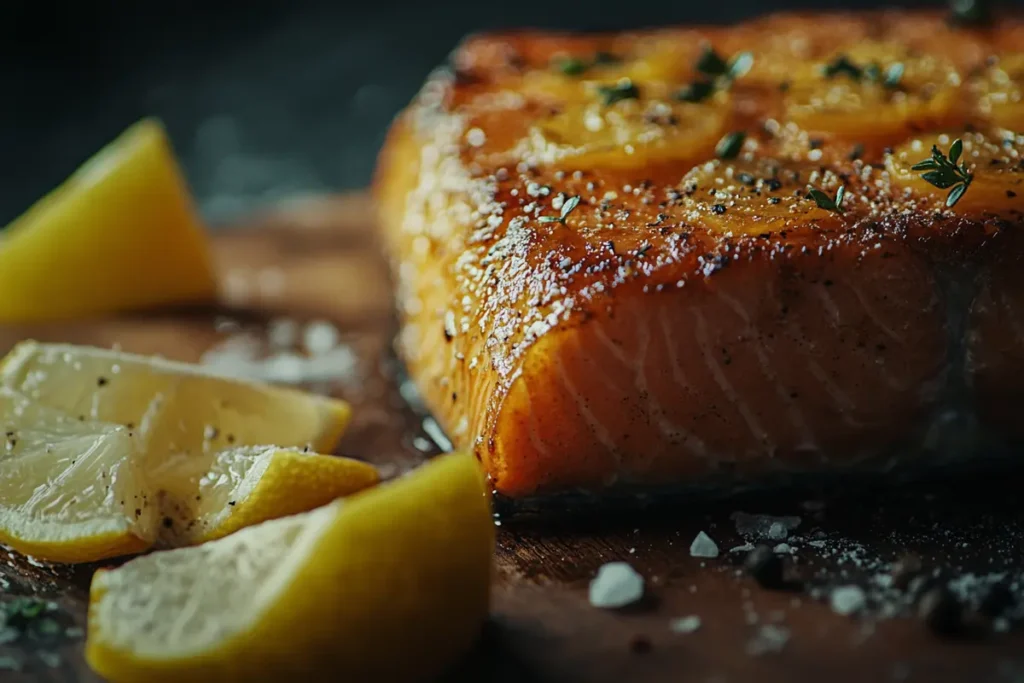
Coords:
pixel 616 585
pixel 476 137
pixel 320 337
pixel 282 333
pixel 761 526
pixel 769 638
pixel 687 624
pixel 846 600
pixel 703 546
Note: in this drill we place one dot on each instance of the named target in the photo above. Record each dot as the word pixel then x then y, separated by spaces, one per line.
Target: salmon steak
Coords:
pixel 716 257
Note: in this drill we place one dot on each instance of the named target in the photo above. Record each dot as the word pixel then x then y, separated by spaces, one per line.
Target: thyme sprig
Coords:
pixel 717 73
pixel 842 65
pixel 730 145
pixel 828 203
pixel 567 207
pixel 575 66
pixel 945 173
pixel 625 89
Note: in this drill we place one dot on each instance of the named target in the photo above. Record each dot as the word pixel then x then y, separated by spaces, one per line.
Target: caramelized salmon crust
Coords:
pixel 621 261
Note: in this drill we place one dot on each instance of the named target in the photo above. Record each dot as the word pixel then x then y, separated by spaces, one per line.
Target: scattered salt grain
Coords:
pixel 685 624
pixel 239 357
pixel 745 548
pixel 616 585
pixel 703 546
pixel 847 600
pixel 784 549
pixel 768 638
pixel 320 337
pixel 283 333
pixel 286 367
pixel 764 526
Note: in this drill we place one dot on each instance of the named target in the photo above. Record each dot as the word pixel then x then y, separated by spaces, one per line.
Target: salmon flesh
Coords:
pixel 715 255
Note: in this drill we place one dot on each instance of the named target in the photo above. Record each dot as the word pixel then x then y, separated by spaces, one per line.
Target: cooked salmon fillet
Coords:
pixel 712 256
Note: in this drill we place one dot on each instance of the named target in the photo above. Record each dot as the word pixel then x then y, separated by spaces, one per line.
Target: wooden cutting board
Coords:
pixel 320 260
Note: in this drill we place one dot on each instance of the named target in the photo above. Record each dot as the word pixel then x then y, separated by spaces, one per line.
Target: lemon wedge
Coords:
pixel 191 428
pixel 406 564
pixel 120 234
pixel 70 490
pixel 249 485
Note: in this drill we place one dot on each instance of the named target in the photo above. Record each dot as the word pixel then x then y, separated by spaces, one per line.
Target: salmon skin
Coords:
pixel 638 261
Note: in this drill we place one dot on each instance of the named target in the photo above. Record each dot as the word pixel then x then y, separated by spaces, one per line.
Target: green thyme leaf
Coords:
pixel 717 74
pixel 571 66
pixel 955 150
pixel 944 173
pixel 730 145
pixel 698 91
pixel 828 203
pixel 941 179
pixel 893 75
pixel 872 73
pixel 623 90
pixel 842 65
pixel 567 207
pixel 955 194
pixel 740 64
pixel 711 63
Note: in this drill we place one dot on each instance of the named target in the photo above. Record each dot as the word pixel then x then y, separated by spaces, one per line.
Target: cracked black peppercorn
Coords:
pixel 942 612
pixel 765 567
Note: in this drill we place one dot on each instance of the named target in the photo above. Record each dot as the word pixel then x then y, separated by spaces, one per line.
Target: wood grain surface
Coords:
pixel 319 260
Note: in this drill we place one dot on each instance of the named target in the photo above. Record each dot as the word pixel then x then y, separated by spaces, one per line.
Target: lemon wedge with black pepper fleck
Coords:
pixel 186 446
pixel 249 485
pixel 330 592
pixel 120 234
pixel 70 490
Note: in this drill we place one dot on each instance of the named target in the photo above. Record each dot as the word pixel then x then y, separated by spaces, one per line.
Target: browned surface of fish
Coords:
pixel 697 318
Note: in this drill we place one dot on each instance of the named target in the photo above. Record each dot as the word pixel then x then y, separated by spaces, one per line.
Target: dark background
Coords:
pixel 263 100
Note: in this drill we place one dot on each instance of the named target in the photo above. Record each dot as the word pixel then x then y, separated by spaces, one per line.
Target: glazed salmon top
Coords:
pixel 543 172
